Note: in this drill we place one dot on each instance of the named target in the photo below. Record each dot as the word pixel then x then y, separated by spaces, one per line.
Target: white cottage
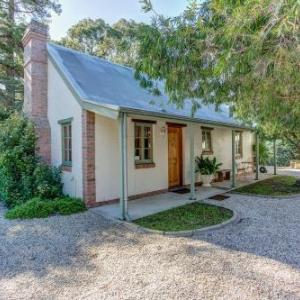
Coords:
pixel 112 138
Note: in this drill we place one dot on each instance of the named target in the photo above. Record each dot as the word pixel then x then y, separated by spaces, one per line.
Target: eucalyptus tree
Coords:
pixel 243 53
pixel 118 43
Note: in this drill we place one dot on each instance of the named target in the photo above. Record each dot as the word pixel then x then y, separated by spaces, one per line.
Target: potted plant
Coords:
pixel 207 168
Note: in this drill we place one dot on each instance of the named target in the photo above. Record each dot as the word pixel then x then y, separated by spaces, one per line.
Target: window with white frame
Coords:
pixel 207 141
pixel 143 142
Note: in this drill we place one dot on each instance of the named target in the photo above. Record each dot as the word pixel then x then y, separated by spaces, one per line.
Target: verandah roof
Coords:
pixel 99 82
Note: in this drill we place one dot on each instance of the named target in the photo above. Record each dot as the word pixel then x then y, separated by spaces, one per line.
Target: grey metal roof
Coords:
pixel 104 83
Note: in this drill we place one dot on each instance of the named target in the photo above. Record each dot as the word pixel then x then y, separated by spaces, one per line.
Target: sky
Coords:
pixel 109 10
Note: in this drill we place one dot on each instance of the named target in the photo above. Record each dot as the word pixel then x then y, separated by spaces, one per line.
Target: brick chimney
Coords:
pixel 35 105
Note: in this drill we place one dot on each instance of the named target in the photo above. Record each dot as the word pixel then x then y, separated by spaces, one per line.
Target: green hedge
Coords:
pixel 39 208
pixel 22 174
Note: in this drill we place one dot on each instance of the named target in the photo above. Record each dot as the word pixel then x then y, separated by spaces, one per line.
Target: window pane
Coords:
pixel 147 154
pixel 70 131
pixel 206 141
pixel 147 132
pixel 137 154
pixel 137 131
pixel 138 143
pixel 147 143
pixel 65 155
pixel 70 155
pixel 70 143
pixel 65 131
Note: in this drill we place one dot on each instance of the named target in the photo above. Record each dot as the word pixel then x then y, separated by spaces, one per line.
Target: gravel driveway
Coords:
pixel 87 257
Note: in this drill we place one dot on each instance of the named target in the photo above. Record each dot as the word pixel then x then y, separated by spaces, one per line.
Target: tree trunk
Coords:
pixel 10 71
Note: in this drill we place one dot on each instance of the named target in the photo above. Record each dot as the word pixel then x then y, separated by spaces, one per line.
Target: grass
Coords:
pixel 188 217
pixel 37 208
pixel 274 186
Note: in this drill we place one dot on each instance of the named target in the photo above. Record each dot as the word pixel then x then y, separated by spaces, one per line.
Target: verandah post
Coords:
pixel 233 160
pixel 257 157
pixel 275 156
pixel 192 163
pixel 123 166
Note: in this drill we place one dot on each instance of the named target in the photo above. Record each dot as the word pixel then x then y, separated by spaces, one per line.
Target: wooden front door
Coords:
pixel 175 156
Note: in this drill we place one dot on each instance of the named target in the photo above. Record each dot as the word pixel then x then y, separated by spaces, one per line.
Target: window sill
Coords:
pixel 207 152
pixel 66 168
pixel 145 166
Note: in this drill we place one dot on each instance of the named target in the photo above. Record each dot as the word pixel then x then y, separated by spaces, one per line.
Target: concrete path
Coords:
pixel 86 256
pixel 150 205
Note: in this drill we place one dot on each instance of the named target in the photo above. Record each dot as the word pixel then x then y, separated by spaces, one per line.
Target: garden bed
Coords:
pixel 188 217
pixel 274 186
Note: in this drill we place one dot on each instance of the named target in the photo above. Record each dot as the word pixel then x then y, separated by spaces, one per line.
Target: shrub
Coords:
pixel 22 175
pixel 47 182
pixel 68 206
pixel 39 208
pixel 17 160
pixel 34 208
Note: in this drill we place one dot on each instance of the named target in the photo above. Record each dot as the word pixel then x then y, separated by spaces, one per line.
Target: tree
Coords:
pixel 86 35
pixel 13 16
pixel 243 53
pixel 117 43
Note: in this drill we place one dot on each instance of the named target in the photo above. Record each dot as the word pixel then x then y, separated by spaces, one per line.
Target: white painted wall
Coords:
pixel 108 161
pixel 222 146
pixel 63 105
pixel 152 179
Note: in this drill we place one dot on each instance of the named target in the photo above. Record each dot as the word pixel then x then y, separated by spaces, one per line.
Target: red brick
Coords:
pixel 35 105
pixel 88 158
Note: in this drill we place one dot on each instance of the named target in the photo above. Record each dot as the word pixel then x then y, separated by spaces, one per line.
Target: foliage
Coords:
pixel 242 53
pixel 264 152
pixel 17 160
pixel 86 35
pixel 34 208
pixel 13 18
pixel 39 208
pixel 117 43
pixel 22 175
pixel 68 206
pixel 285 153
pixel 47 181
pixel 275 186
pixel 206 166
pixel 187 217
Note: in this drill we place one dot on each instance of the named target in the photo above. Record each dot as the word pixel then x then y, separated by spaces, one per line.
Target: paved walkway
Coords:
pixel 85 256
pixel 150 205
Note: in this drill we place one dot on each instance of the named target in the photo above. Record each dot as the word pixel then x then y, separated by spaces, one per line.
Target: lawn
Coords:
pixel 191 216
pixel 274 186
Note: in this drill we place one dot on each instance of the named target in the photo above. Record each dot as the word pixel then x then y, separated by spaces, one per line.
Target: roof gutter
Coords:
pixel 182 118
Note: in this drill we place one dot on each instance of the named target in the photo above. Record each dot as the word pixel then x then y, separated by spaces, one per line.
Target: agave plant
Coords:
pixel 206 166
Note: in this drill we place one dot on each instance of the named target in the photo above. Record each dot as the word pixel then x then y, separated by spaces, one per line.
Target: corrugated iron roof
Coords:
pixel 104 83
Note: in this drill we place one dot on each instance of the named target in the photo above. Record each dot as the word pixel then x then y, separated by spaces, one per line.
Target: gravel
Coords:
pixel 85 256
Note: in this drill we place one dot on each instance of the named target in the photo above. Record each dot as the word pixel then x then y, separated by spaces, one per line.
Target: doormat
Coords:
pixel 219 197
pixel 181 191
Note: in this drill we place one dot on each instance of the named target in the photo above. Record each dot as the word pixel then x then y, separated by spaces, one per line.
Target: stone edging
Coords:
pixel 186 233
pixel 263 196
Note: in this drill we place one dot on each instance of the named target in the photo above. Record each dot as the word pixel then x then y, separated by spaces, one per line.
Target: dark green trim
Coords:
pixel 67 163
pixel 207 128
pixel 65 121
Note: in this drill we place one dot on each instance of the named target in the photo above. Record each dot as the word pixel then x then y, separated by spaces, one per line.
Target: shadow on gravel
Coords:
pixel 268 228
pixel 36 246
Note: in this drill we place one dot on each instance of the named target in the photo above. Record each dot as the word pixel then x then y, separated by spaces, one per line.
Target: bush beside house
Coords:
pixel 29 187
